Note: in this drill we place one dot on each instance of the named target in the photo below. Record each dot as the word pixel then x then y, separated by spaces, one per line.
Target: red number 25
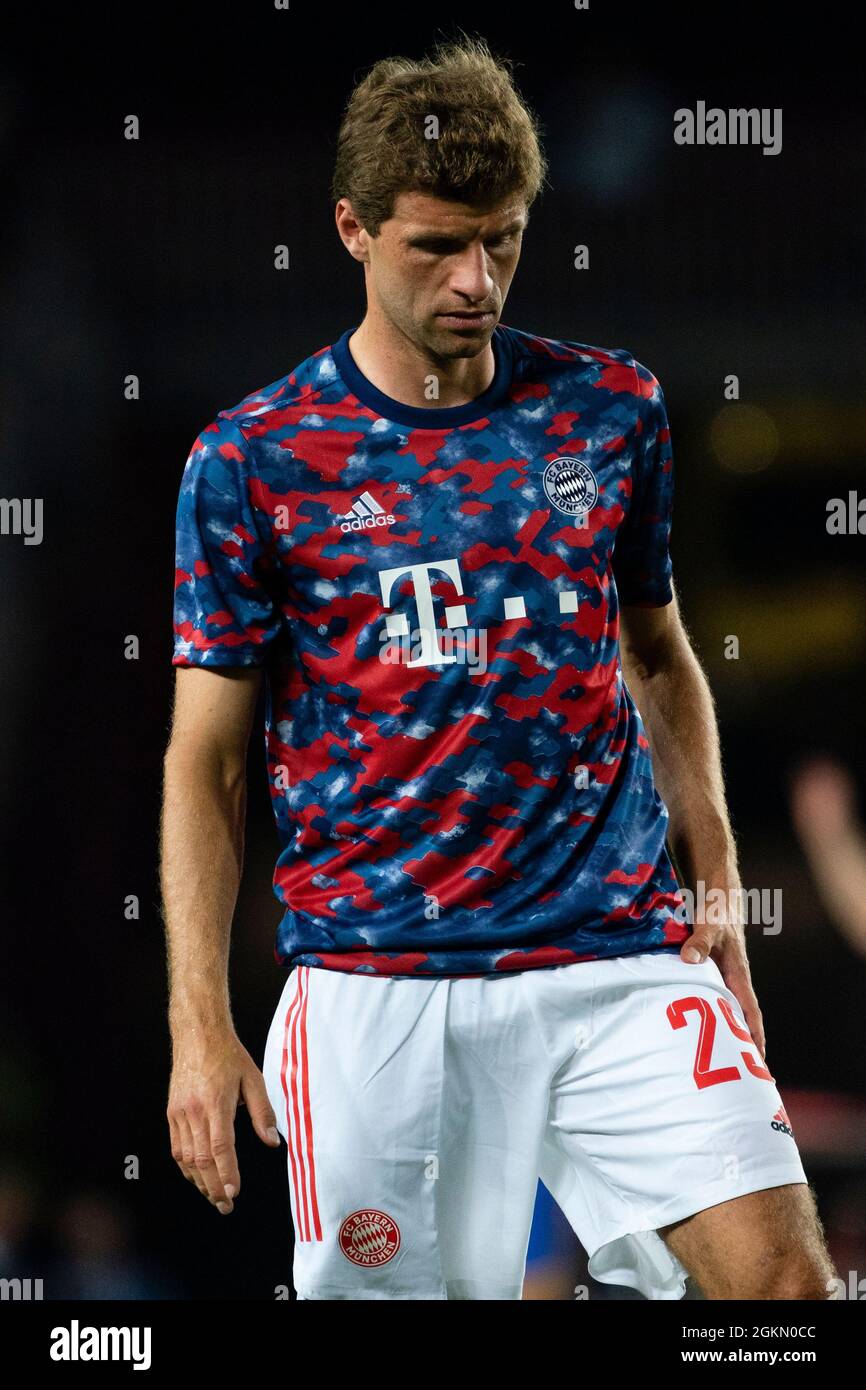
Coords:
pixel 705 1074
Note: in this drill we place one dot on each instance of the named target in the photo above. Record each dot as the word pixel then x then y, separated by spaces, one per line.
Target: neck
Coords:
pixel 402 369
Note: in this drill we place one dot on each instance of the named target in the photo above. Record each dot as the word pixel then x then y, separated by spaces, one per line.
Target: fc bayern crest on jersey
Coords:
pixel 369 1238
pixel 570 486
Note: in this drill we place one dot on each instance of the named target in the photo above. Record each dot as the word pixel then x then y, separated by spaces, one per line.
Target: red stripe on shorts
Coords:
pixel 290 1133
pixel 308 1121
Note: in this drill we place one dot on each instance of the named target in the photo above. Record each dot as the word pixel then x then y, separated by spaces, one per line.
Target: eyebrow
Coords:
pixel 449 238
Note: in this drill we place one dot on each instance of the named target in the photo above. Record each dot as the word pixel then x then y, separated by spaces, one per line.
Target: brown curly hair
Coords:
pixel 487 147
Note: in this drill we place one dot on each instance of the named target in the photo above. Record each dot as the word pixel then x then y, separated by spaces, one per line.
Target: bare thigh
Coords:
pixel 767 1244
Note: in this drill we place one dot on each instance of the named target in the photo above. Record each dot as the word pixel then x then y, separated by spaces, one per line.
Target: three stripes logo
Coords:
pixel 295 1082
pixel 364 514
pixel 781 1122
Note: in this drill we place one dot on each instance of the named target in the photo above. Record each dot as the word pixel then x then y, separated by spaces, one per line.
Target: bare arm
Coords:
pixel 204 804
pixel 674 699
pixel 824 808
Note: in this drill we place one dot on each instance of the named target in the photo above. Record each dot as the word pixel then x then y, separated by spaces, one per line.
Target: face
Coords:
pixel 440 271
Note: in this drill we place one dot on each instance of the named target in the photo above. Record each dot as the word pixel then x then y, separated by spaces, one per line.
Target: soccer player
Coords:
pixel 442 543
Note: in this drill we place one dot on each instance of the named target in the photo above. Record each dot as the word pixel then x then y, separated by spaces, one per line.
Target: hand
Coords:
pixel 725 943
pixel 209 1079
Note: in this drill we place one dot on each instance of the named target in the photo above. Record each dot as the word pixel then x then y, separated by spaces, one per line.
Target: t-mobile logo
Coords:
pixel 397 624
pixel 425 643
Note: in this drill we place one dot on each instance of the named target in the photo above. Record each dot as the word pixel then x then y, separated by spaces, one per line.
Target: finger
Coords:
pixel 188 1150
pixel 755 1025
pixel 222 1147
pixel 204 1161
pixel 177 1146
pixel 739 981
pixel 260 1109
pixel 698 946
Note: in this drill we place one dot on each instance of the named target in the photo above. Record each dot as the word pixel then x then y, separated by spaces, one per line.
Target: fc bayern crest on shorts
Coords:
pixel 369 1238
pixel 570 486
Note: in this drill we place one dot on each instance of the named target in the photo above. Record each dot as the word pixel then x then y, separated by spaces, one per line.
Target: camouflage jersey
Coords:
pixel 460 778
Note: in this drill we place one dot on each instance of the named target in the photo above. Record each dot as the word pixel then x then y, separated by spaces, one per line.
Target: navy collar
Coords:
pixel 420 417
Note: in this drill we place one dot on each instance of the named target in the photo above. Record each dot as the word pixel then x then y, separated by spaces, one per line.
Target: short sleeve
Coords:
pixel 225 613
pixel 641 560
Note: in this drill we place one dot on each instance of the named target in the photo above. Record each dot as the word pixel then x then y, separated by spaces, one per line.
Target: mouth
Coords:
pixel 480 319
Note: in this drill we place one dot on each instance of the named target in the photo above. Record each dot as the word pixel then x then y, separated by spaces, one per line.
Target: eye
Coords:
pixel 498 241
pixel 437 248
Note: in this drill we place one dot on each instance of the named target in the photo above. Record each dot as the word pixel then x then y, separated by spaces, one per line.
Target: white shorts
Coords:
pixel 420 1113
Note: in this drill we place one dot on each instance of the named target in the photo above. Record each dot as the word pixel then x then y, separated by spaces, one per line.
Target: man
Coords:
pixel 435 537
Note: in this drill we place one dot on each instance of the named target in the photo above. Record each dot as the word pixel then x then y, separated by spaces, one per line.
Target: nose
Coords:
pixel 471 277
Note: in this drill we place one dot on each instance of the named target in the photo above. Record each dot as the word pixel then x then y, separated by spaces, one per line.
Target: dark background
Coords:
pixel 156 258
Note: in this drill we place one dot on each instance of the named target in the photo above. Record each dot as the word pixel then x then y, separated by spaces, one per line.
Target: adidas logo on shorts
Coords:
pixel 781 1122
pixel 364 514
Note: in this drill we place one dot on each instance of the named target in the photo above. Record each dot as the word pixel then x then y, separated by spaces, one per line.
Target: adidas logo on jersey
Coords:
pixel 781 1122
pixel 364 514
